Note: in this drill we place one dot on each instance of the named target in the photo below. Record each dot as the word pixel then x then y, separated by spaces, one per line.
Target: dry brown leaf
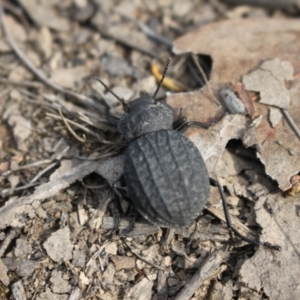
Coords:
pixel 269 80
pixel 238 46
pixel 239 88
pixel 277 148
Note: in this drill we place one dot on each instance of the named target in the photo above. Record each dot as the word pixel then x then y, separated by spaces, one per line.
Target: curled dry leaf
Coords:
pixel 241 92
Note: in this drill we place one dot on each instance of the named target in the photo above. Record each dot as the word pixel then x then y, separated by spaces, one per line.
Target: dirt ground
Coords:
pixel 234 64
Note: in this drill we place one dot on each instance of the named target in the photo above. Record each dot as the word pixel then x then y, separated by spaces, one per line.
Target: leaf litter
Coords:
pixel 274 139
pixel 71 219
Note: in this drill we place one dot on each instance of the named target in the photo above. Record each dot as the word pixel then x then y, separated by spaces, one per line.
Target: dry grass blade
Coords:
pixel 6 192
pixel 195 59
pixel 30 165
pixel 31 84
pixel 291 121
pixel 42 172
pixel 80 139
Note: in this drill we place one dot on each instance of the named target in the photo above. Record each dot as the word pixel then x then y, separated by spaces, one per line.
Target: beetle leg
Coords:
pixel 268 245
pixel 118 194
pixel 112 121
pixel 131 225
pixel 186 125
pixel 178 123
pixel 181 125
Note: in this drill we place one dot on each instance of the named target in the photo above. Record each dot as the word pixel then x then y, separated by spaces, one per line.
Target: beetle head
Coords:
pixel 145 115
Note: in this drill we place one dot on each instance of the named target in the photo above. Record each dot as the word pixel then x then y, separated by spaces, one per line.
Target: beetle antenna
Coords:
pixel 163 77
pixel 113 93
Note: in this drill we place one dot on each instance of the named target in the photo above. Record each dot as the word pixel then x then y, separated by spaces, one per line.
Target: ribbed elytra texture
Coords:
pixel 167 179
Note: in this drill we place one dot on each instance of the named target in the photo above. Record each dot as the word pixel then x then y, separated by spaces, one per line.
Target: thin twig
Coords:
pixel 219 213
pixel 101 186
pixel 67 106
pixel 74 124
pixel 80 139
pixel 205 78
pixel 32 84
pixel 210 268
pixel 146 261
pixel 8 238
pixel 30 165
pixel 165 244
pixel 20 188
pixel 43 172
pixel 291 121
pixel 97 254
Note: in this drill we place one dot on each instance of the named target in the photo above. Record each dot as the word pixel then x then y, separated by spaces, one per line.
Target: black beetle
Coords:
pixel 165 174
